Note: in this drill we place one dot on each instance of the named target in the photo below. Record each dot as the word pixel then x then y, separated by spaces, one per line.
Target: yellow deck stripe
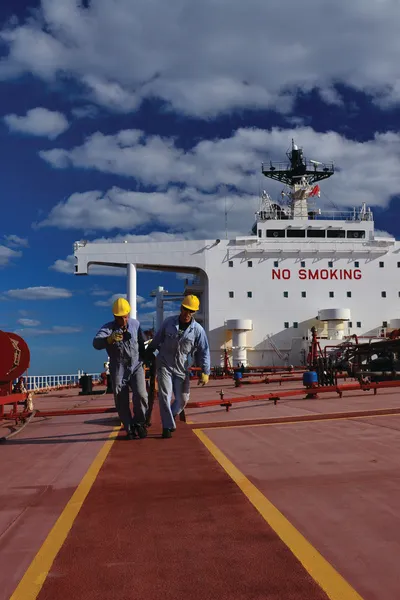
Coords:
pixel 35 576
pixel 202 425
pixel 317 566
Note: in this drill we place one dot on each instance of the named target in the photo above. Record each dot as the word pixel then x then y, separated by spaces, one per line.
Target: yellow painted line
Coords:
pixel 35 576
pixel 333 584
pixel 204 426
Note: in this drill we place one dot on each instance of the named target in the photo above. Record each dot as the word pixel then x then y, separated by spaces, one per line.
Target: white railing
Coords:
pixel 43 382
pixel 324 215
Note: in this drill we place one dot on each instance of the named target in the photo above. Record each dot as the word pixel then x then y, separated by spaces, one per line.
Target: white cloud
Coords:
pixel 149 304
pixel 109 301
pixel 111 94
pixel 85 112
pixel 7 255
pixel 211 56
pixel 54 330
pixel 39 293
pixel 39 122
pixel 382 234
pixel 28 322
pixel 16 241
pixel 147 319
pixel 123 209
pixel 215 176
pixel 96 291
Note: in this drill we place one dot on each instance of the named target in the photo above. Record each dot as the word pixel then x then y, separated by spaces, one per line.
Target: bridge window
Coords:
pixel 286 324
pixel 276 264
pixel 249 294
pixel 259 233
pixel 350 324
pixel 384 323
pixel 381 264
pixel 331 294
pixel 275 233
pixel 355 234
pixel 230 263
pixel 231 294
pixel 383 294
pixel 286 294
pixel 356 264
pixel 303 263
pixel 250 263
pixel 296 233
pixel 358 323
pixel 349 294
pixel 330 264
pixel 303 294
pixel 295 325
pixel 335 233
pixel 316 233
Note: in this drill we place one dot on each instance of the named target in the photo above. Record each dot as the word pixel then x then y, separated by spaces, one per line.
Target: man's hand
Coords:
pixel 203 379
pixel 116 336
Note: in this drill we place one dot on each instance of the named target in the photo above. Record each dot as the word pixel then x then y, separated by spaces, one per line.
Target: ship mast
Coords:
pixel 301 176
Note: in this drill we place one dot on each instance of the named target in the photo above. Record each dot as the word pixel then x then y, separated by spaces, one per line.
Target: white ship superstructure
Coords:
pixel 299 268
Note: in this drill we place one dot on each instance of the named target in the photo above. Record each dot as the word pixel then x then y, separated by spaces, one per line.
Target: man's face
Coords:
pixel 122 321
pixel 186 315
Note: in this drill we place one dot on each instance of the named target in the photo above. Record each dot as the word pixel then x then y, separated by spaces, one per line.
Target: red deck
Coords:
pixel 164 518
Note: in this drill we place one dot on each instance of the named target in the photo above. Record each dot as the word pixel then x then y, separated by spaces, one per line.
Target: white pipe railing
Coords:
pixel 43 382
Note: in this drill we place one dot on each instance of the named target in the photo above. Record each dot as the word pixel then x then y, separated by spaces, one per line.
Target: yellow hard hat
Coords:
pixel 121 307
pixel 191 302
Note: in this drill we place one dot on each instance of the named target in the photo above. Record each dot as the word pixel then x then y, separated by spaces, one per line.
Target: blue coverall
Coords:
pixel 175 347
pixel 126 370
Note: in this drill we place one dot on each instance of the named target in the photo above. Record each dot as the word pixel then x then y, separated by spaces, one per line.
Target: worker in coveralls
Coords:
pixel 177 340
pixel 123 340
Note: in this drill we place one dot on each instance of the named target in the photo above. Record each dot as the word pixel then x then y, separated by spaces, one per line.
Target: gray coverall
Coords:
pixel 175 348
pixel 126 370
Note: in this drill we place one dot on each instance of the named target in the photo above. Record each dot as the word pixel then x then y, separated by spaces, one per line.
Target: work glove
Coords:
pixel 203 379
pixel 116 336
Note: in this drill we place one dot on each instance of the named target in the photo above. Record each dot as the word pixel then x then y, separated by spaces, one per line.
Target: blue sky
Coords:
pixel 136 119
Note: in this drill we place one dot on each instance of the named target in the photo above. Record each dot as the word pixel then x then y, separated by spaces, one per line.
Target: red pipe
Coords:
pixel 366 387
pixel 60 413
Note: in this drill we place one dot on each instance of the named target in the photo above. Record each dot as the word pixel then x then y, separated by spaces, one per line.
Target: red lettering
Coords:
pixel 276 274
pixel 324 274
pixel 286 274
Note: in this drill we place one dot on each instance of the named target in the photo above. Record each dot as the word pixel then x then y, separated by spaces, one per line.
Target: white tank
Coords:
pixel 239 328
pixel 335 319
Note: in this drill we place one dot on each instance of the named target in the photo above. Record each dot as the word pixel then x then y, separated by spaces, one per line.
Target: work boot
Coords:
pixel 166 433
pixel 141 431
pixel 130 434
